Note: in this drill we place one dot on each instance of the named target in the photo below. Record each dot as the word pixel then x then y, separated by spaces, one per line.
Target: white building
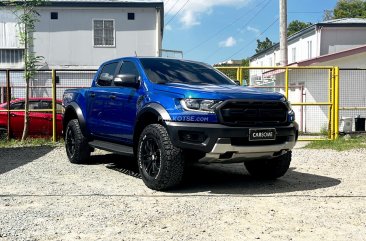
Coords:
pixel 317 40
pixel 83 34
pixel 341 43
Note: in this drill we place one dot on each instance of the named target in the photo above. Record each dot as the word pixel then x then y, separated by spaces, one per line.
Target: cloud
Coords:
pixel 229 42
pixel 168 27
pixel 252 29
pixel 191 14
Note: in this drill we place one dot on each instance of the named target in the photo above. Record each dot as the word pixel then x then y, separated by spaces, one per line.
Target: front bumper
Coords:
pixel 230 144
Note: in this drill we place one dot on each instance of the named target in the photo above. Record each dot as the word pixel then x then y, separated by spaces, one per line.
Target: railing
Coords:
pixel 322 79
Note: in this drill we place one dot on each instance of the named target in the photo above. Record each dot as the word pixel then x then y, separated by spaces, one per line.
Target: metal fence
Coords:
pixel 352 99
pixel 312 92
pixel 320 96
pixel 46 83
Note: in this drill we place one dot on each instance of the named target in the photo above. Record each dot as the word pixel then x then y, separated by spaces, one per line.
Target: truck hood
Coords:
pixel 219 92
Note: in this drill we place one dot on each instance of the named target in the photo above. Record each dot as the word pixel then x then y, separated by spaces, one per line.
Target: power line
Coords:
pixel 225 28
pixel 177 12
pixel 170 9
pixel 241 49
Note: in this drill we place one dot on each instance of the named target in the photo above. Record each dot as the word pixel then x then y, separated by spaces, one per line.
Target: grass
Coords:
pixel 342 144
pixel 29 142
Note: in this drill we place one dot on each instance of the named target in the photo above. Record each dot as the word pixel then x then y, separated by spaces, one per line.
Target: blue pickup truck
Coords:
pixel 169 112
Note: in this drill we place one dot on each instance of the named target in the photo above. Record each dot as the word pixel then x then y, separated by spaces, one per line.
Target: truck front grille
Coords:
pixel 253 113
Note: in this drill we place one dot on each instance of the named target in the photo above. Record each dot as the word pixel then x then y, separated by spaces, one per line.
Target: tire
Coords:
pixel 269 169
pixel 161 165
pixel 3 134
pixel 76 144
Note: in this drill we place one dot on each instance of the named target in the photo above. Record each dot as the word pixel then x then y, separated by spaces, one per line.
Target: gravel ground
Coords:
pixel 44 197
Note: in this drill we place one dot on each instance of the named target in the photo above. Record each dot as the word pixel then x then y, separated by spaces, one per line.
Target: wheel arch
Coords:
pixel 150 114
pixel 73 111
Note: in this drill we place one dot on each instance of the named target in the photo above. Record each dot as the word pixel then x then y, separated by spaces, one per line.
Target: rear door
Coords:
pixel 98 98
pixel 39 120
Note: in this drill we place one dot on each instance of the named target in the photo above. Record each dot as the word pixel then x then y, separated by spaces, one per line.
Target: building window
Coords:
pixel 310 49
pixel 131 16
pixel 11 56
pixel 54 15
pixel 104 33
pixel 293 55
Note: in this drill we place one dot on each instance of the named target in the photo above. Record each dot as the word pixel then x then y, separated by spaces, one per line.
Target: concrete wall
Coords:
pixel 68 41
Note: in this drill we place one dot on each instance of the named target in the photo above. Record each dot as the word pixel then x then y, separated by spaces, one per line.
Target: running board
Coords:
pixel 112 147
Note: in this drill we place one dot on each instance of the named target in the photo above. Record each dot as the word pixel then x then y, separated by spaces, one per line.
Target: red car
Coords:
pixel 40 123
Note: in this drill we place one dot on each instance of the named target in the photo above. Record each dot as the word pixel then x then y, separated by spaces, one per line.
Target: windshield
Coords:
pixel 163 71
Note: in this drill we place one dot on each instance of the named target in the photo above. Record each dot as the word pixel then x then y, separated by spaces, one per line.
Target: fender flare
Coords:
pixel 75 108
pixel 157 109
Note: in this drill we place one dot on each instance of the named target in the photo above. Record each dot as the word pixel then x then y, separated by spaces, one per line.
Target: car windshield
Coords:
pixel 163 71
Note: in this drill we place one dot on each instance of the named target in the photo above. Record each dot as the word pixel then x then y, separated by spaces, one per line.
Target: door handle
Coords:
pixel 92 94
pixel 13 115
pixel 112 97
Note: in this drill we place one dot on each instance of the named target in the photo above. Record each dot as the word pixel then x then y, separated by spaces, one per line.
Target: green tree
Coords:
pixel 263 45
pixel 347 9
pixel 296 26
pixel 27 15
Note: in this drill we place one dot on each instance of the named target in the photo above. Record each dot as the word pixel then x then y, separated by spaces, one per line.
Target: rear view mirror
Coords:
pixel 127 80
pixel 105 79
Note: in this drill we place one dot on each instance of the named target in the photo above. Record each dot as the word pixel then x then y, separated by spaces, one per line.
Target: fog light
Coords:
pixel 190 136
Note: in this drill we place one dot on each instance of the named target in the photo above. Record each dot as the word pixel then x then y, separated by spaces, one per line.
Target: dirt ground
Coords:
pixel 44 197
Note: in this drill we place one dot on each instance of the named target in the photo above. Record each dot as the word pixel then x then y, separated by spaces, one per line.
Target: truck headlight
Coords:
pixel 199 105
pixel 291 115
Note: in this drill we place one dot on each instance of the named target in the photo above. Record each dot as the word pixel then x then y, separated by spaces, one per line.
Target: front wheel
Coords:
pixel 160 163
pixel 271 168
pixel 77 148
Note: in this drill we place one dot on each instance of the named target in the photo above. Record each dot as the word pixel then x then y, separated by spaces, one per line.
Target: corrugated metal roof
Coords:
pixel 345 21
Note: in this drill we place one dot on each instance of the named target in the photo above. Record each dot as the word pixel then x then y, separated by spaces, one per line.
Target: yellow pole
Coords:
pixel 241 76
pixel 238 74
pixel 329 107
pixel 336 107
pixel 286 83
pixel 331 99
pixel 333 104
pixel 54 117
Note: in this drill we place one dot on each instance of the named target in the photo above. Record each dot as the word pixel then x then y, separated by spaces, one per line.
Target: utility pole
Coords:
pixel 283 33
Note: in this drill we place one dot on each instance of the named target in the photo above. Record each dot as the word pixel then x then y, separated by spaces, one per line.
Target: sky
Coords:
pixel 214 31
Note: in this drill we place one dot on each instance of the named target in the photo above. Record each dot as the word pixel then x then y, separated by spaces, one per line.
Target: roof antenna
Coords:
pixel 135 53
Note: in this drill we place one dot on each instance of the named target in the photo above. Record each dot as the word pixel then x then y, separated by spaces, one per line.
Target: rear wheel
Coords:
pixel 3 134
pixel 271 168
pixel 77 148
pixel 160 163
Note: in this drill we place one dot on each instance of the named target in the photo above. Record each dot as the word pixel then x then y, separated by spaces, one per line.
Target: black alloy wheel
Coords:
pixel 150 156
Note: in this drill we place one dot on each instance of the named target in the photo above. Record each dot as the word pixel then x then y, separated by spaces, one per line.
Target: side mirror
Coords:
pixel 105 79
pixel 127 80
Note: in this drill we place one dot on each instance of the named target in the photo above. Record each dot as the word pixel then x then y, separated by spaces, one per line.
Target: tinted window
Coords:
pixel 107 74
pixel 129 68
pixel 17 106
pixel 178 71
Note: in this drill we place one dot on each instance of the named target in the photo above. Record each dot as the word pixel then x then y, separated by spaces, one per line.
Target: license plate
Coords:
pixel 262 134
